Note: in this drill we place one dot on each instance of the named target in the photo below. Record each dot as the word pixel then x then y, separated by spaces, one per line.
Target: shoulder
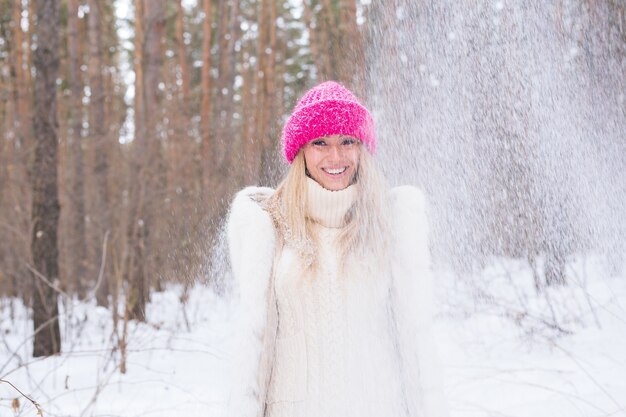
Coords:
pixel 246 213
pixel 409 216
pixel 251 240
pixel 408 195
pixel 252 196
pixel 410 242
pixel 247 203
pixel 408 199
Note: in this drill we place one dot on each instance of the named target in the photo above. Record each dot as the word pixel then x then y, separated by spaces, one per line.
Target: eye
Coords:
pixel 319 142
pixel 348 142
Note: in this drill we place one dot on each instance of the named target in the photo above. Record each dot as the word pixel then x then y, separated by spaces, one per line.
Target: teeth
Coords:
pixel 335 171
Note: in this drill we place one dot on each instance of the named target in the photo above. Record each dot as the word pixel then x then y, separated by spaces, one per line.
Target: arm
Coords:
pixel 251 243
pixel 412 305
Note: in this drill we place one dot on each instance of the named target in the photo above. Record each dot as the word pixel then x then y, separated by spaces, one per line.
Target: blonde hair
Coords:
pixel 366 233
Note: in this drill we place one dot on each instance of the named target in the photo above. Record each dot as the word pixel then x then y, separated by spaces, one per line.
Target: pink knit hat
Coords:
pixel 325 110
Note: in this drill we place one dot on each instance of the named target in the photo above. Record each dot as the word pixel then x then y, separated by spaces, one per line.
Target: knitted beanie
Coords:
pixel 325 110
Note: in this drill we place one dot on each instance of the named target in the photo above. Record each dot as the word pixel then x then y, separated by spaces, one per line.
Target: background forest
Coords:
pixel 164 109
pixel 127 126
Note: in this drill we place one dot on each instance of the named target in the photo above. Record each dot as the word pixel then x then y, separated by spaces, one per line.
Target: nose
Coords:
pixel 335 152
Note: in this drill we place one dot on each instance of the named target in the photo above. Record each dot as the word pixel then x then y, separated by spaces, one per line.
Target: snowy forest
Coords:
pixel 128 125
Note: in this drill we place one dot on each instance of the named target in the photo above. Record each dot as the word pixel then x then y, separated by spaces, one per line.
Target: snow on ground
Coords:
pixel 505 350
pixel 561 354
pixel 171 370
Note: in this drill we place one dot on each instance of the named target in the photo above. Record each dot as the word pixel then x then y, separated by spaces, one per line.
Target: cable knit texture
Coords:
pixel 351 341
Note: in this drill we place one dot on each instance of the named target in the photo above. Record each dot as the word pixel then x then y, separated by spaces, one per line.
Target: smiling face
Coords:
pixel 332 161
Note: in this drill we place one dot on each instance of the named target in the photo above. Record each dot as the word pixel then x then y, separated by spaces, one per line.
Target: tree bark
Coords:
pixel 269 94
pixel 46 208
pixel 179 173
pixel 16 106
pixel 227 134
pixel 328 42
pixel 23 141
pixel 250 145
pixel 351 55
pixel 98 133
pixel 311 26
pixel 208 155
pixel 77 223
pixel 154 167
pixel 182 54
pixel 22 68
pixel 135 276
pixel 148 169
pixel 222 102
pixel 260 82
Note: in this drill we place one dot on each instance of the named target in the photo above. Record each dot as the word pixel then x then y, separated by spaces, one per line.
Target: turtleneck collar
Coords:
pixel 329 208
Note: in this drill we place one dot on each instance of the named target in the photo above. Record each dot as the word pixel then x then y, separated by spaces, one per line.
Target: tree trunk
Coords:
pixel 351 55
pixel 250 142
pixel 228 56
pixel 182 54
pixel 270 84
pixel 97 127
pixel 266 85
pixel 279 88
pixel 16 191
pixel 260 84
pixel 313 38
pixel 180 170
pixel 135 306
pixel 46 208
pixel 23 141
pixel 327 42
pixel 208 156
pixel 222 100
pixel 23 113
pixel 148 169
pixel 154 167
pixel 78 244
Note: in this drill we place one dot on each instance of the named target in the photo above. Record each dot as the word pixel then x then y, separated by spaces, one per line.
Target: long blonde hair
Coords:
pixel 366 233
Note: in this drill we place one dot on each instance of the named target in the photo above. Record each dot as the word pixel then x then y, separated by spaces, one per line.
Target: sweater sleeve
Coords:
pixel 251 243
pixel 412 300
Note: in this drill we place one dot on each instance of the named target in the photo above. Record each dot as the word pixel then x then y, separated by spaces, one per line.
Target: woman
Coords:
pixel 333 278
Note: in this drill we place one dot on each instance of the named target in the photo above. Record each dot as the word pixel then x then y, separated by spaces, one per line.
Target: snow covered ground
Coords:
pixel 505 350
pixel 561 354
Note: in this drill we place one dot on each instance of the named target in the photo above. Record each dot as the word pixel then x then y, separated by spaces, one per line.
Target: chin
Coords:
pixel 336 186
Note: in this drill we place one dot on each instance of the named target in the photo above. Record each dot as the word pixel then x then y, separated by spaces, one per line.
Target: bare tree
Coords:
pixel 352 66
pixel 77 227
pixel 228 34
pixel 155 167
pixel 262 100
pixel 190 123
pixel 148 171
pixel 208 155
pixel 135 307
pixel 182 55
pixel 97 127
pixel 46 208
pixel 22 79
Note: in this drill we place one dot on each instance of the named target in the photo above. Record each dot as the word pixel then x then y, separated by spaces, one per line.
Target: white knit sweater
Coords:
pixel 332 341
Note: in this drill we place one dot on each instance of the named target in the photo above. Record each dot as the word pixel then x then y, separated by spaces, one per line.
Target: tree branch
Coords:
pixel 35 403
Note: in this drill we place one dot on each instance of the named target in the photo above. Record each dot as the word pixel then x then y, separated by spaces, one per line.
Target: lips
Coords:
pixel 334 171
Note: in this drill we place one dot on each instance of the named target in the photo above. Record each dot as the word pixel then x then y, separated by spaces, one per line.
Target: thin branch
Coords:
pixel 46 280
pixel 63 293
pixel 35 403
pixel 102 265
